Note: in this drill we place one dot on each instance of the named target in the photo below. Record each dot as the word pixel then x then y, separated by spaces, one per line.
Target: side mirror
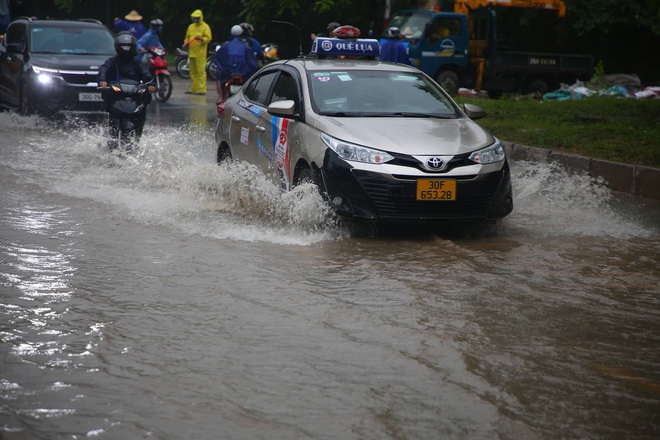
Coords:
pixel 14 48
pixel 283 109
pixel 473 111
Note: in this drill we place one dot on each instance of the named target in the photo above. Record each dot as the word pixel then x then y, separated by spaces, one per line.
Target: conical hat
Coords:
pixel 133 16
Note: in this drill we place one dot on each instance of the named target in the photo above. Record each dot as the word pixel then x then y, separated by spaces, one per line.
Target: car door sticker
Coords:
pixel 264 150
pixel 245 135
pixel 280 128
pixel 249 107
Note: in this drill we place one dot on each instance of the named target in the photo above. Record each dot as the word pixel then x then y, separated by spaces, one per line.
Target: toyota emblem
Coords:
pixel 435 163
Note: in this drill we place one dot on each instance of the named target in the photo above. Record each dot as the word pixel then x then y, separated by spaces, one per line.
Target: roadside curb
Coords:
pixel 631 179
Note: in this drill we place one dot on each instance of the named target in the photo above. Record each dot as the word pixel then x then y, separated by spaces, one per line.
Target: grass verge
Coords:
pixel 616 129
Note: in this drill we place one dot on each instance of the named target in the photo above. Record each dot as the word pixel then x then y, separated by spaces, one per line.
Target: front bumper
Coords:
pixel 368 195
pixel 58 95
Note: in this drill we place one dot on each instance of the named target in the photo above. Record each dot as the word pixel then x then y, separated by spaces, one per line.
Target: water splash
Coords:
pixel 551 200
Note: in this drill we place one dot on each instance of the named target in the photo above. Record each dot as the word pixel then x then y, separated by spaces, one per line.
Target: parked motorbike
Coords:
pixel 127 109
pixel 158 69
pixel 183 68
pixel 270 52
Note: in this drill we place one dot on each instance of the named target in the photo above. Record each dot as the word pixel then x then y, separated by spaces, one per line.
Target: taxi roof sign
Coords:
pixel 357 47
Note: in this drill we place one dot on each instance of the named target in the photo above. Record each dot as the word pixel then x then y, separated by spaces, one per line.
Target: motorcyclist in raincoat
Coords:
pixel 150 39
pixel 234 57
pixel 198 36
pixel 393 49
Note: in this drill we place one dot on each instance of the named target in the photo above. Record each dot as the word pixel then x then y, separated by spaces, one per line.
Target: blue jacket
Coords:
pixel 256 48
pixel 134 27
pixel 150 39
pixel 235 56
pixel 394 51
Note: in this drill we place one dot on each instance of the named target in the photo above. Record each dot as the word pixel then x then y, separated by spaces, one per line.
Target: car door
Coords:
pixel 278 139
pixel 11 63
pixel 245 127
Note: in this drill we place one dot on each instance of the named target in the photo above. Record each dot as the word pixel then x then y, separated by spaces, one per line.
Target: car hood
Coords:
pixel 413 136
pixel 69 61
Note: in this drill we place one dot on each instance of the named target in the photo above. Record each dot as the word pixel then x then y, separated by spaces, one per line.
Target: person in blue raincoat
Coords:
pixel 393 49
pixel 150 39
pixel 131 23
pixel 234 57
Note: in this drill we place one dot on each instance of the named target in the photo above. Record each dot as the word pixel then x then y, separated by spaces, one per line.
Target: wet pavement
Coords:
pixel 161 296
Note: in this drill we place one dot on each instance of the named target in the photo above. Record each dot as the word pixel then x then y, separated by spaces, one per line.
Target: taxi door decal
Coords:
pixel 280 127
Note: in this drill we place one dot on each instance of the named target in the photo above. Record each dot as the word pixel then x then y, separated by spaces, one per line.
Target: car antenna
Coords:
pixel 298 29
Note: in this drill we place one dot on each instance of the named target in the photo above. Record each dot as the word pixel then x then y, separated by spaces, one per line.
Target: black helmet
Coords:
pixel 126 45
pixel 247 29
pixel 156 23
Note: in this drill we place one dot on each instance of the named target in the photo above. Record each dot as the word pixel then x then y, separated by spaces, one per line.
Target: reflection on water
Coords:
pixel 159 295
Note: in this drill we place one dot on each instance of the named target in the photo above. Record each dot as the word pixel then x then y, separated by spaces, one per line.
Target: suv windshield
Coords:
pixel 377 94
pixel 71 40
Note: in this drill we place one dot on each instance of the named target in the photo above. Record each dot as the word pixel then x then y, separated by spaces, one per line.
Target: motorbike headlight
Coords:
pixel 491 154
pixel 356 153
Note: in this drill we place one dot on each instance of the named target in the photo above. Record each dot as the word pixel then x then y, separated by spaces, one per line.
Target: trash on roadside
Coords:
pixel 621 85
pixel 471 93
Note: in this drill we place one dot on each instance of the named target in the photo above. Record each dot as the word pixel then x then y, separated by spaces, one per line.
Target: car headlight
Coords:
pixel 45 79
pixel 491 154
pixel 356 153
pixel 45 76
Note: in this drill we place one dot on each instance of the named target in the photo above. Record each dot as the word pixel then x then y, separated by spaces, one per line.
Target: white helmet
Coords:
pixel 236 30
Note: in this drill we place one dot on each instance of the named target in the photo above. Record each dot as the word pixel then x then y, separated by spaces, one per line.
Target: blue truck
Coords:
pixel 460 49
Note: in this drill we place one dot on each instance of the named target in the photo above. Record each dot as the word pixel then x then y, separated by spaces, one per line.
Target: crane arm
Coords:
pixel 464 6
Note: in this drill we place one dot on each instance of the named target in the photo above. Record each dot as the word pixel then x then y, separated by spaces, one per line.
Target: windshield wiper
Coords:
pixel 340 114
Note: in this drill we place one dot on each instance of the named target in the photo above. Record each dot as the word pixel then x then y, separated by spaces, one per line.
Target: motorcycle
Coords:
pixel 183 68
pixel 270 52
pixel 158 69
pixel 127 110
pixel 232 85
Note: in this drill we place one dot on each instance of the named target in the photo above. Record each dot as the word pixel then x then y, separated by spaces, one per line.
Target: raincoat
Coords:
pixel 198 49
pixel 394 51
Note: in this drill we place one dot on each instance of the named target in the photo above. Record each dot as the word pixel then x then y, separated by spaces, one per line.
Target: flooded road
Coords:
pixel 160 296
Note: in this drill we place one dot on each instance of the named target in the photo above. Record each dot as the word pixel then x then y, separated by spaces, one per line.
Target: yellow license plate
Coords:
pixel 436 189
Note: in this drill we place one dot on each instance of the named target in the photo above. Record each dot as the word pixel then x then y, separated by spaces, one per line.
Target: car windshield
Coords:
pixel 411 24
pixel 374 93
pixel 71 40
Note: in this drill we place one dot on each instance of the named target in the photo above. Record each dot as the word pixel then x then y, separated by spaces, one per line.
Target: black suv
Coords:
pixel 50 66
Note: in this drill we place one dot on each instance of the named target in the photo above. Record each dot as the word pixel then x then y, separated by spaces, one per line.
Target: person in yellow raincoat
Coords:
pixel 198 37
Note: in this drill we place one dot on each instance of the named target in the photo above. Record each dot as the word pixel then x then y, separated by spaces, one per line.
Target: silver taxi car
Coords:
pixel 382 141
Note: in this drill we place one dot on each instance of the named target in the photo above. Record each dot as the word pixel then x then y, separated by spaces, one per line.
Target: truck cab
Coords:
pixel 438 43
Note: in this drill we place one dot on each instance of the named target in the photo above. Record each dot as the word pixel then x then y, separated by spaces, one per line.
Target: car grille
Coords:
pixel 79 79
pixel 396 199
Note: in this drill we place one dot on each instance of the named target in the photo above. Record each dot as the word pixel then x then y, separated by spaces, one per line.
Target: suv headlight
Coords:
pixel 491 154
pixel 356 153
pixel 45 76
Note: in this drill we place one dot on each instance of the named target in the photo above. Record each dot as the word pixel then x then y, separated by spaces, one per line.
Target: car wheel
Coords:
pixel 164 89
pixel 24 104
pixel 212 69
pixel 183 69
pixel 224 155
pixel 304 175
pixel 449 81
